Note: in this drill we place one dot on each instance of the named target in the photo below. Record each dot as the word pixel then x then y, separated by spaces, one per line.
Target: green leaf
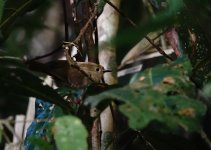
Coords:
pixel 172 112
pixel 70 134
pixel 161 94
pixel 16 79
pixel 152 76
pixel 122 94
pixel 166 78
pixel 42 144
pixel 147 105
pixel 57 112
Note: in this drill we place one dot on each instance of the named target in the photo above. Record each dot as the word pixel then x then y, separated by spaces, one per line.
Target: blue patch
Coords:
pixel 43 110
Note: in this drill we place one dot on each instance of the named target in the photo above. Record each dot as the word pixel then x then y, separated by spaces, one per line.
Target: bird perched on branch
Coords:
pixel 81 76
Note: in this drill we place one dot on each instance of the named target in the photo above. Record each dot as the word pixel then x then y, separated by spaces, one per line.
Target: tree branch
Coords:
pixel 146 37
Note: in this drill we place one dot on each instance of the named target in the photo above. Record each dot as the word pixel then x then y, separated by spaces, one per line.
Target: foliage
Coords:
pixel 18 80
pixel 70 133
pixel 13 11
pixel 163 96
pixel 158 94
pixel 163 19
pixel 42 144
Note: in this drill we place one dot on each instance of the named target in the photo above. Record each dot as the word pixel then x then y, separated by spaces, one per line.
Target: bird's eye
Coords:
pixel 97 69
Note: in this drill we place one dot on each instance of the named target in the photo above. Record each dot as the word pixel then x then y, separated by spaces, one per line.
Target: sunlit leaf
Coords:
pixel 154 75
pixel 70 134
pixel 158 94
pixel 167 78
pixel 172 112
pixel 148 105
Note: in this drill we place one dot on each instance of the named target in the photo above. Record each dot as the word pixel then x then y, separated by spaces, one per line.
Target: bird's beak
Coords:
pixel 104 71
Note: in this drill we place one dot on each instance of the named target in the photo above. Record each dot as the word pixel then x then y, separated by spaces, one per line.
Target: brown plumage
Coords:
pixel 71 75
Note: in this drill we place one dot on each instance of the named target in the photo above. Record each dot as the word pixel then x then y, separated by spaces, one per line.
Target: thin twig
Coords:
pixel 76 41
pixel 68 45
pixel 66 35
pixel 134 25
pixel 83 30
pixel 45 55
pixel 75 64
pixel 158 48
pixel 161 33
pixel 145 140
pixel 121 13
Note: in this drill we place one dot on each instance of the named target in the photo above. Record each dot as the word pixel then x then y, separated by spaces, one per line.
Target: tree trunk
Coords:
pixel 107 29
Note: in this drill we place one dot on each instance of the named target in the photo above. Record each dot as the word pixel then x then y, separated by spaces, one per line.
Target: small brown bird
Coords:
pixel 77 77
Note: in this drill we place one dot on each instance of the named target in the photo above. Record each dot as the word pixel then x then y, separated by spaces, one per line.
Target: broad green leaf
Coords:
pixel 122 94
pixel 16 79
pixel 166 78
pixel 158 94
pixel 173 112
pixel 147 105
pixel 152 76
pixel 22 82
pixel 70 134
